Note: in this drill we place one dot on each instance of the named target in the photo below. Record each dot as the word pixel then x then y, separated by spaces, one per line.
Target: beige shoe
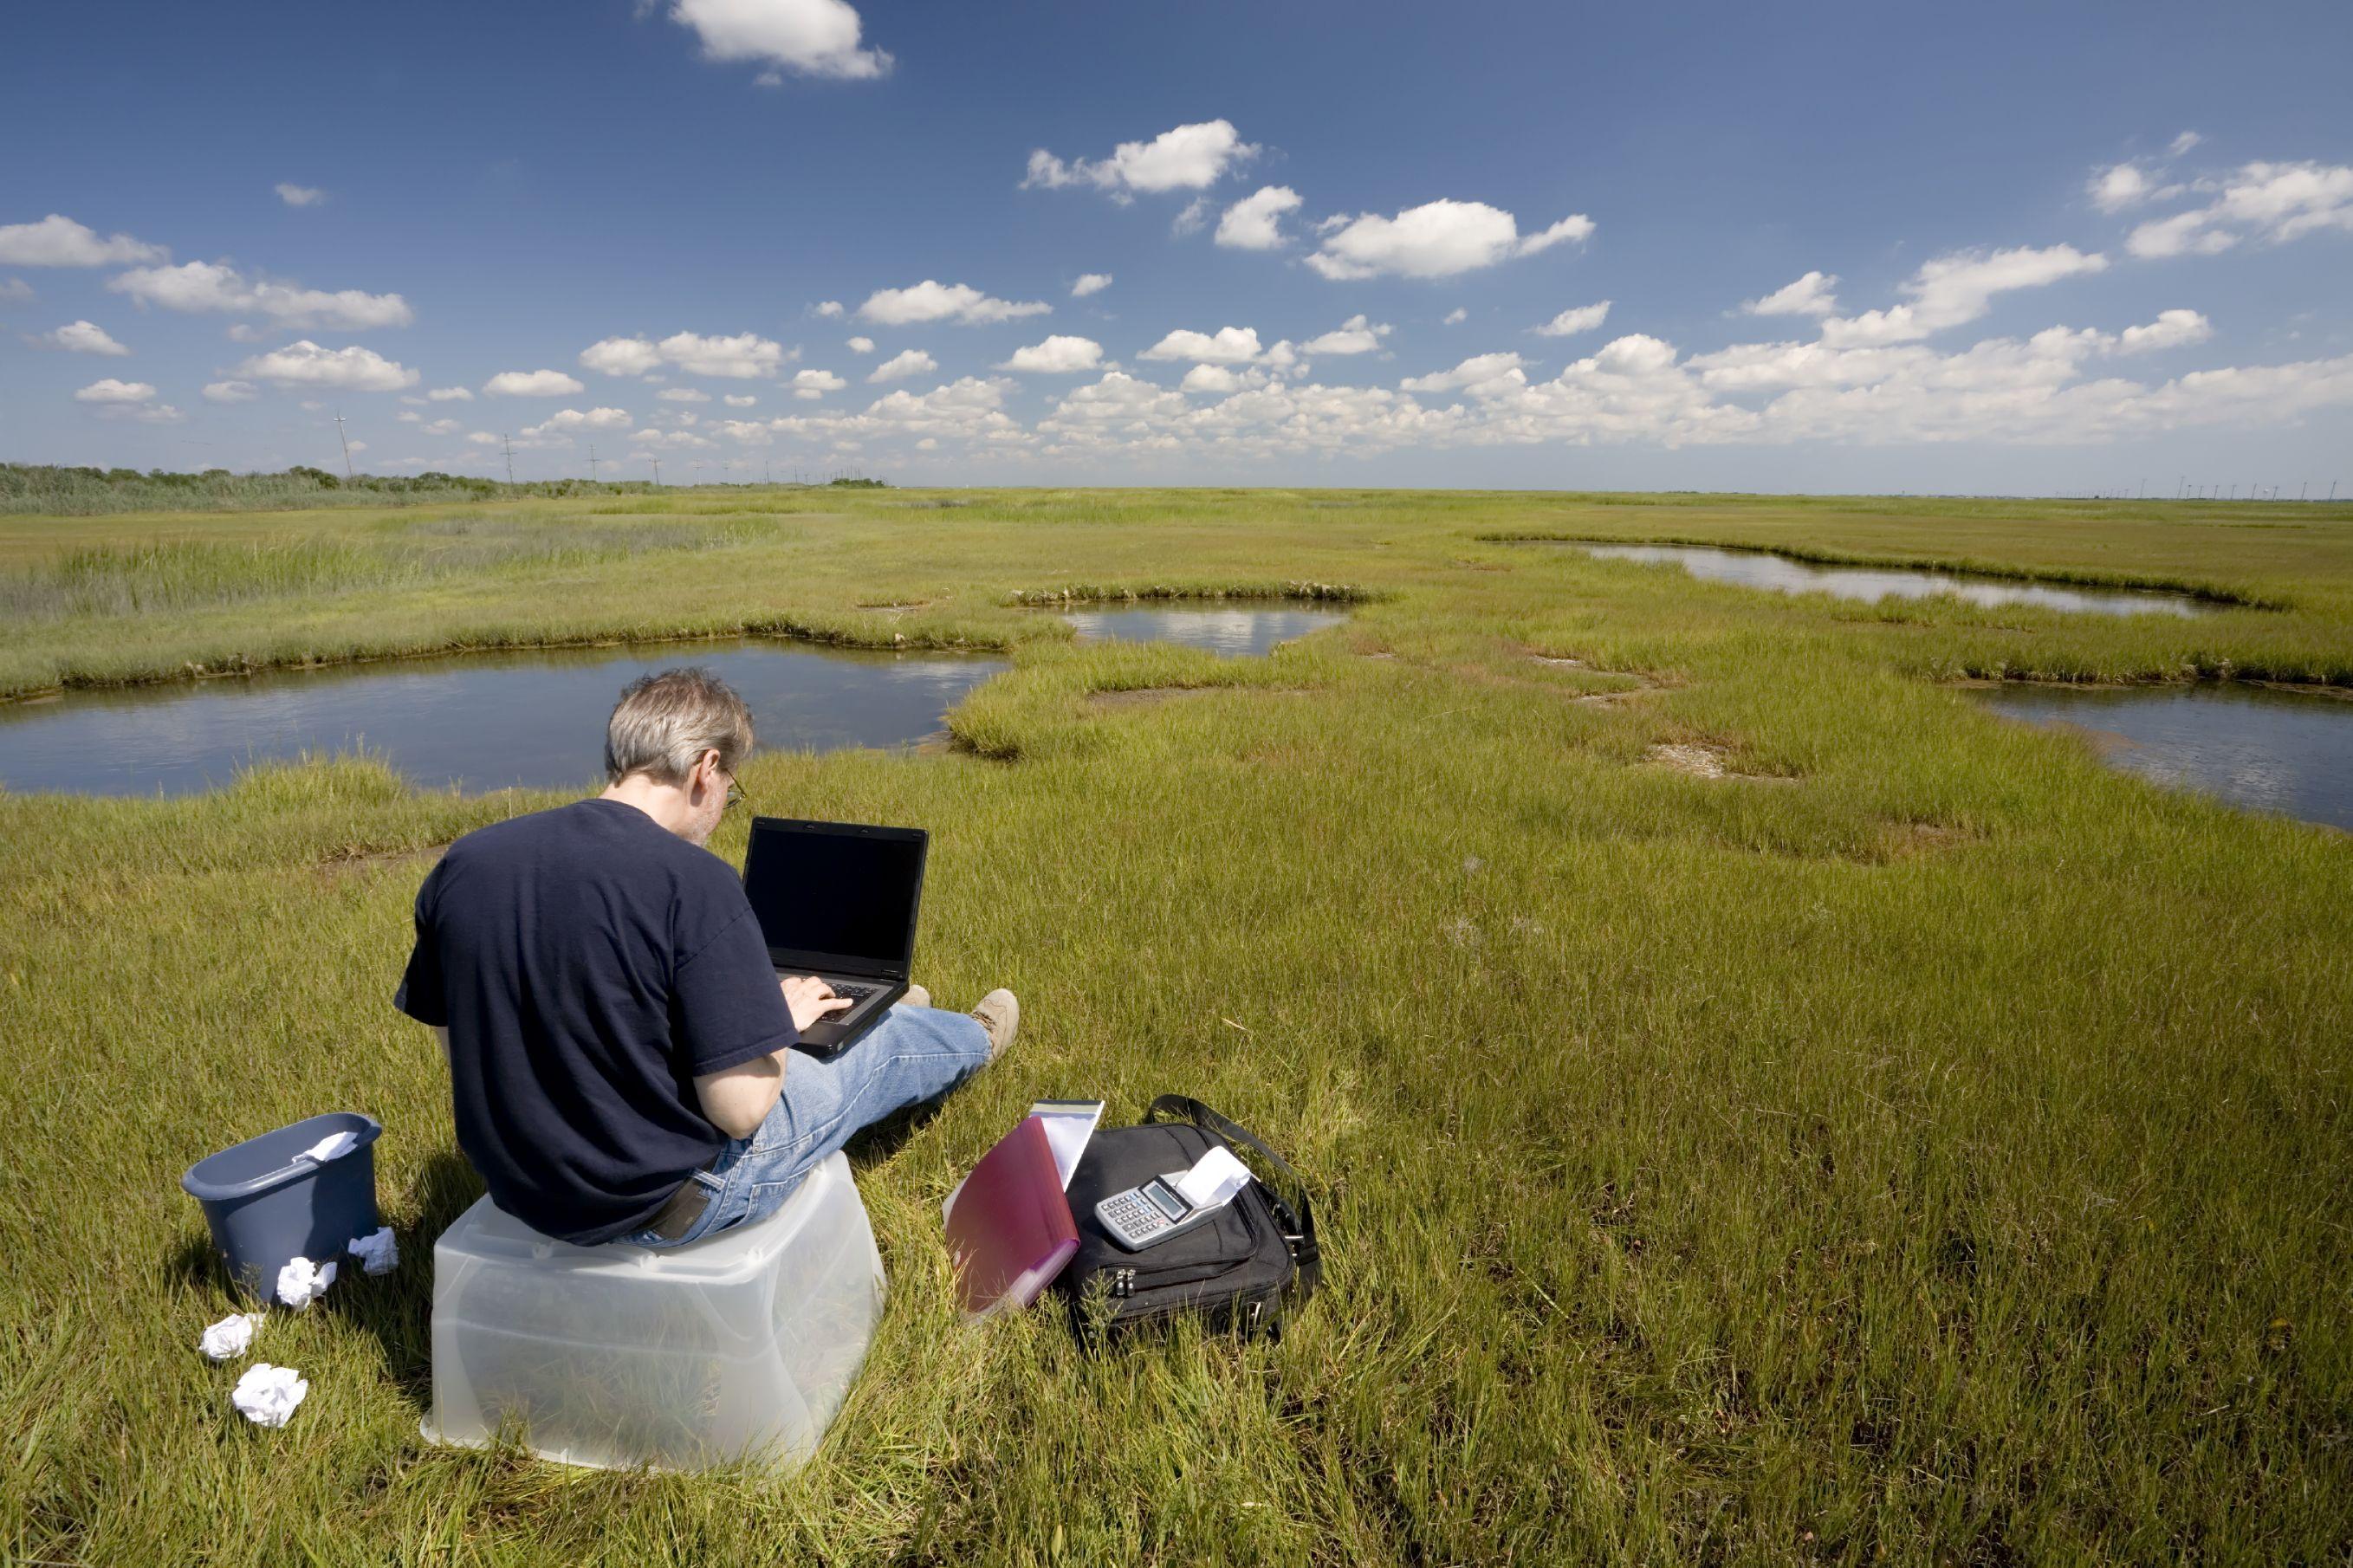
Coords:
pixel 916 997
pixel 1000 1014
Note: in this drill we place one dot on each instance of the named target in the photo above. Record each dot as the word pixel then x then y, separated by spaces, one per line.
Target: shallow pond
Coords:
pixel 2263 750
pixel 1761 569
pixel 481 722
pixel 1235 631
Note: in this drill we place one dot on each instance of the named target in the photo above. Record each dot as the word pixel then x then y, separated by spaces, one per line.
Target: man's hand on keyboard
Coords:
pixel 811 999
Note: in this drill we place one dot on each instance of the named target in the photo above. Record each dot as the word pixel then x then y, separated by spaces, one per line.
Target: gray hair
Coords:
pixel 664 723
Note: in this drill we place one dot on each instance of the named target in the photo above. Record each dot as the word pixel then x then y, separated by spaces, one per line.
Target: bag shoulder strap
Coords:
pixel 1292 1208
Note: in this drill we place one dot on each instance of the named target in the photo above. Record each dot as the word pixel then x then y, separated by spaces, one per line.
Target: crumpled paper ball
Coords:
pixel 378 1253
pixel 229 1337
pixel 267 1396
pixel 301 1282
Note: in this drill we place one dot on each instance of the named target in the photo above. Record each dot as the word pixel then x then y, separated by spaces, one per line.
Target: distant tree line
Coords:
pixel 82 491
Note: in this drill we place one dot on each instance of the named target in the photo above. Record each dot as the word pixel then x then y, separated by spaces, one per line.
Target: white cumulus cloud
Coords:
pixel 1479 370
pixel 2120 186
pixel 1437 240
pixel 58 241
pixel 861 346
pixel 1948 290
pixel 620 356
pixel 2171 330
pixel 830 309
pixel 2270 202
pixel 113 391
pixel 740 357
pixel 744 356
pixel 1255 222
pixel 1090 283
pixel 564 421
pixel 809 38
pixel 1574 319
pixel 300 195
pixel 682 394
pixel 1809 295
pixel 1226 345
pixel 531 384
pixel 231 391
pixel 1357 335
pixel 219 288
pixel 811 384
pixel 82 338
pixel 906 363
pixel 1455 317
pixel 1187 158
pixel 304 363
pixel 930 301
pixel 1058 355
pixel 745 399
pixel 451 395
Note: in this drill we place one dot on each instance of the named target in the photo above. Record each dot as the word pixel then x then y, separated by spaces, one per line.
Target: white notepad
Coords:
pixel 1069 1124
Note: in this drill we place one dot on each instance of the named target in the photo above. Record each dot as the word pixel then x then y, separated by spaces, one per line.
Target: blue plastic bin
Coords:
pixel 267 1204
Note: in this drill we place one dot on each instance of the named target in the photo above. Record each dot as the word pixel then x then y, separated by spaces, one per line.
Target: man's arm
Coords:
pixel 738 1099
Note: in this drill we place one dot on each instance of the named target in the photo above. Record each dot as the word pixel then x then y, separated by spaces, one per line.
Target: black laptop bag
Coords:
pixel 1240 1271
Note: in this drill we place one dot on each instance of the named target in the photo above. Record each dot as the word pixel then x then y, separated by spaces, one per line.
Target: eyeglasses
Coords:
pixel 735 796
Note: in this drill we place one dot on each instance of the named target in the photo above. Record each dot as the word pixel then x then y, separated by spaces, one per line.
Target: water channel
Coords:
pixel 481 722
pixel 1233 631
pixel 1761 569
pixel 2263 750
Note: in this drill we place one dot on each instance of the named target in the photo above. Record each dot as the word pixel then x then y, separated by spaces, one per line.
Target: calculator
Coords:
pixel 1141 1216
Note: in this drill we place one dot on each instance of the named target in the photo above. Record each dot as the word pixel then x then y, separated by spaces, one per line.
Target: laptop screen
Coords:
pixel 836 889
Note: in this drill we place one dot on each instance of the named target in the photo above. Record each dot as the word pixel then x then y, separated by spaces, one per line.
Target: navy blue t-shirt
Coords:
pixel 589 965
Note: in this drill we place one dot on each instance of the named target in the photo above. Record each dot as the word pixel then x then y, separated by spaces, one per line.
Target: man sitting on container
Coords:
pixel 619 1045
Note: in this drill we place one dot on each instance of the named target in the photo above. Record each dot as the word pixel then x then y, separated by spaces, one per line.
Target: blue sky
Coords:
pixel 2003 249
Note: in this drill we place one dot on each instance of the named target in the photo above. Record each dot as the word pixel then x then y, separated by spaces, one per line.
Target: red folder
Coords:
pixel 1010 1230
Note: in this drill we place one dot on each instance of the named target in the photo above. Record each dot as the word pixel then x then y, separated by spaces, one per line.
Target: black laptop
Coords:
pixel 838 900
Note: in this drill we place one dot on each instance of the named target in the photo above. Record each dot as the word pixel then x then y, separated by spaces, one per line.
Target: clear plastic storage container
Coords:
pixel 737 1348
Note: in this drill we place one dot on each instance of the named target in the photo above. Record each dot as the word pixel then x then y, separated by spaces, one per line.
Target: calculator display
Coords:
pixel 1165 1201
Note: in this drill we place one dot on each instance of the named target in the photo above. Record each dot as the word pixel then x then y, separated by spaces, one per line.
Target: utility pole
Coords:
pixel 657 462
pixel 510 449
pixel 346 440
pixel 766 477
pixel 592 462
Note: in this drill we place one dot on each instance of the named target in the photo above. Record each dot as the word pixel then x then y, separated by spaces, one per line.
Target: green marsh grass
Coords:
pixel 1923 1145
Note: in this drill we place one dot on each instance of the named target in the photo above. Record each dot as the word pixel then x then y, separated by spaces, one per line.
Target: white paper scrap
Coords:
pixel 301 1282
pixel 1214 1179
pixel 266 1395
pixel 1069 1123
pixel 229 1337
pixel 333 1146
pixel 378 1253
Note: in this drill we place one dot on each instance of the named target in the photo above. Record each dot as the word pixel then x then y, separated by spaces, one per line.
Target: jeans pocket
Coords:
pixel 765 1198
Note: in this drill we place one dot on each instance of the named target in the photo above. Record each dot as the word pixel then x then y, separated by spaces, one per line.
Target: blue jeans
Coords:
pixel 913 1055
